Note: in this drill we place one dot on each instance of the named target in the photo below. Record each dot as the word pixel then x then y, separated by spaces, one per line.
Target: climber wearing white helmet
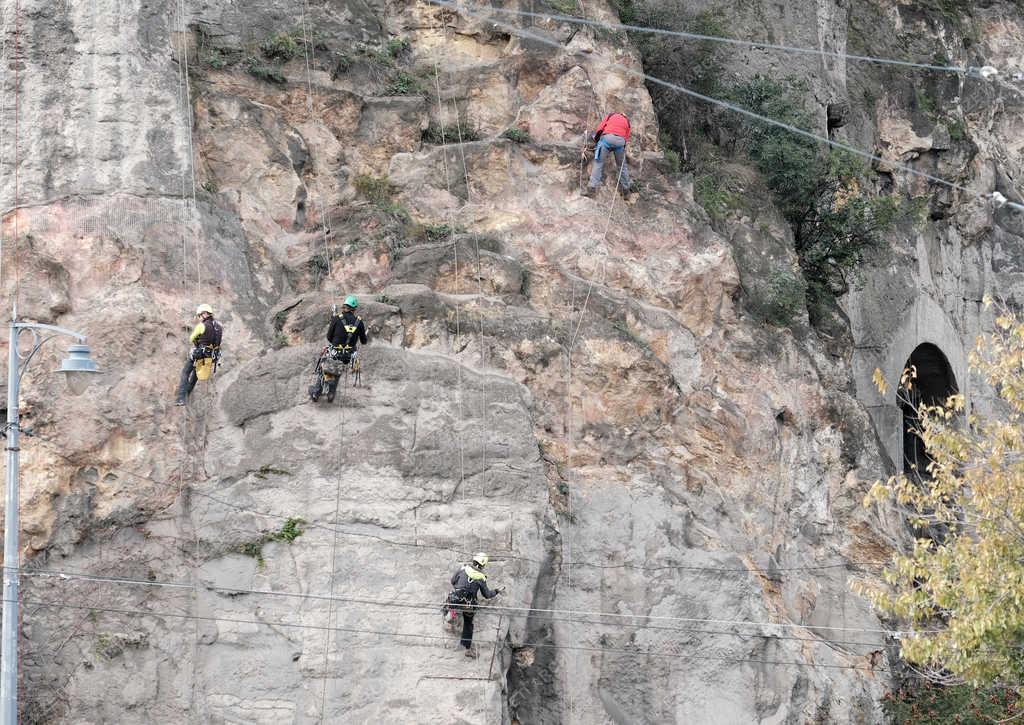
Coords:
pixel 205 340
pixel 467 582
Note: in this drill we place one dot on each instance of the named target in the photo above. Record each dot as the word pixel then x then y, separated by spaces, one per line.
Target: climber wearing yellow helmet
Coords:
pixel 205 340
pixel 467 582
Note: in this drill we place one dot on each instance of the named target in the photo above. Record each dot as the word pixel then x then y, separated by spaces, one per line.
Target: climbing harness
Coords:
pixel 206 359
pixel 334 362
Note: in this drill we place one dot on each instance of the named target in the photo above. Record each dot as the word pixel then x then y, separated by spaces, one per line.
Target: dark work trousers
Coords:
pixel 467 628
pixel 188 377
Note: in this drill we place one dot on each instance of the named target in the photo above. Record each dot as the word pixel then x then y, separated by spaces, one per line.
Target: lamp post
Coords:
pixel 78 368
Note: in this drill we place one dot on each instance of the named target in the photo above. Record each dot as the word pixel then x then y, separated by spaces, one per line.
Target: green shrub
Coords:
pixel 403 84
pixel 785 298
pixel 673 161
pixel 292 529
pixel 818 191
pixel 516 135
pixel 264 73
pixel 929 704
pixel 377 189
pixel 440 232
pixel 217 59
pixel 563 7
pixel 342 63
pixel 436 133
pixel 317 264
pixel 627 12
pixel 714 193
pixel 289 532
pixel 396 47
pixel 957 129
pixel 282 47
pixel 923 102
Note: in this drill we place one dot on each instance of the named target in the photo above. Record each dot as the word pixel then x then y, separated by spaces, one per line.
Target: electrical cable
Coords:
pixel 431 637
pixel 756 45
pixel 995 197
pixel 509 610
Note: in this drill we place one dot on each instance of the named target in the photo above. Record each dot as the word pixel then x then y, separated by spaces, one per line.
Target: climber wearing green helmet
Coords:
pixel 347 328
pixel 467 582
pixel 205 339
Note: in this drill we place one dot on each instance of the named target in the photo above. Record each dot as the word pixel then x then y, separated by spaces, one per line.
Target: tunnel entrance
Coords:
pixel 934 383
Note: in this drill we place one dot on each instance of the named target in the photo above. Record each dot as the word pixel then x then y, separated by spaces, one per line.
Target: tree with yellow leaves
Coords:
pixel 961 586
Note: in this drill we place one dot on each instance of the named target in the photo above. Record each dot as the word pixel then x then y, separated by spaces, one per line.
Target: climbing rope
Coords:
pixel 334 541
pixel 482 340
pixel 309 50
pixel 188 226
pixel 458 301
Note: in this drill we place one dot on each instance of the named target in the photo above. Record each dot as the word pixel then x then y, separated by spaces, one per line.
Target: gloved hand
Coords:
pixel 498 591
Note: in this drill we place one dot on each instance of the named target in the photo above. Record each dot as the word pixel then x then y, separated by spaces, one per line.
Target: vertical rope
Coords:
pixel 334 555
pixel 458 304
pixel 307 51
pixel 179 21
pixel 187 219
pixel 480 293
pixel 191 154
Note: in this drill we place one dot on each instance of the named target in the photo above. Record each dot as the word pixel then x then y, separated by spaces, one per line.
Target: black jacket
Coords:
pixel 207 333
pixel 338 335
pixel 469 588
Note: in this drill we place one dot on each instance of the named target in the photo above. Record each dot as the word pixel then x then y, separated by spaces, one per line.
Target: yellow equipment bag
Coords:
pixel 204 367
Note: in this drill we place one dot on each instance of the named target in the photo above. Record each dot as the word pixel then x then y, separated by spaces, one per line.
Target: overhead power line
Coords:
pixel 507 610
pixel 984 72
pixel 998 200
pixel 435 637
pixel 433 606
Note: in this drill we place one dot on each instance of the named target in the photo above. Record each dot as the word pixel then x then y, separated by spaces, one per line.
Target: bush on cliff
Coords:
pixel 819 191
pixel 961 586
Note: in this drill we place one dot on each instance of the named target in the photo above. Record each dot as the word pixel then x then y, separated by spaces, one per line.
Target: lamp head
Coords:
pixel 78 369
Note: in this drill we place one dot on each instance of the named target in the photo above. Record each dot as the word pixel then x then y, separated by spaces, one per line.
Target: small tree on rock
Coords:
pixel 961 587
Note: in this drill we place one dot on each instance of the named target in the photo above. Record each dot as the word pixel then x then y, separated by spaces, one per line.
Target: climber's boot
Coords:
pixel 588 191
pixel 471 653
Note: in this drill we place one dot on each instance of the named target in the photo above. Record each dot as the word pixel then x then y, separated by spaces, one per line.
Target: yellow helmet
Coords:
pixel 481 559
pixel 204 308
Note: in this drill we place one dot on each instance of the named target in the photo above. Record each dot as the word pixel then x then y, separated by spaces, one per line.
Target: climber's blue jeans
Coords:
pixel 617 145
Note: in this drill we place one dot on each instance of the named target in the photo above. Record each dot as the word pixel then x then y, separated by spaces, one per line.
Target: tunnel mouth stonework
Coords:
pixel 932 383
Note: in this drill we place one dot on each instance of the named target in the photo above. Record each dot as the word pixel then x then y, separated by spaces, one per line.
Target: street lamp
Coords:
pixel 78 368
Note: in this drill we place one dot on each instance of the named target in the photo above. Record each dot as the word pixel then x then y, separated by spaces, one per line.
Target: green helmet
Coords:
pixel 351 301
pixel 481 559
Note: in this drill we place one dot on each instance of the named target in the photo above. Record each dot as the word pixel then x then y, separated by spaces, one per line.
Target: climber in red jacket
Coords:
pixel 612 134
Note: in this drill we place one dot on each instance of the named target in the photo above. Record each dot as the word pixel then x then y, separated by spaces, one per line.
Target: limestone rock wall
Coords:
pixel 567 383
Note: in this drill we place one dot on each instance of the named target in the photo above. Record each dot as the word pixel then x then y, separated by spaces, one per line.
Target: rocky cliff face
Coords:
pixel 574 385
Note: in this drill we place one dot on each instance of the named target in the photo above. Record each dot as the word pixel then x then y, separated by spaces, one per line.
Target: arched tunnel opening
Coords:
pixel 934 383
